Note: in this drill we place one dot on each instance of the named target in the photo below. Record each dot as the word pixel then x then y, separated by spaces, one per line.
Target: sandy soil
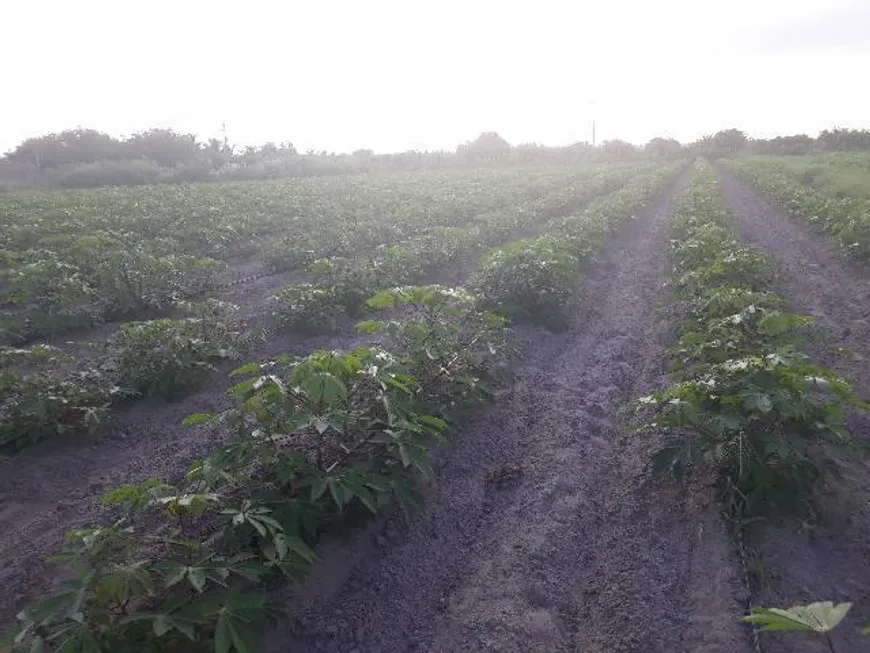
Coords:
pixel 826 559
pixel 545 532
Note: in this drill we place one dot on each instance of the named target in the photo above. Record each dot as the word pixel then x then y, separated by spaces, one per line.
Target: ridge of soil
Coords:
pixel 799 562
pixel 545 532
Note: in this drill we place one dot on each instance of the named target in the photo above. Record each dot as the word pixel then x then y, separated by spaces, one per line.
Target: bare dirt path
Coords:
pixel 545 532
pixel 830 558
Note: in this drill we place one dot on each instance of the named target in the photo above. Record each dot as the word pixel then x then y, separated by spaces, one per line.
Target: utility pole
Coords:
pixel 223 130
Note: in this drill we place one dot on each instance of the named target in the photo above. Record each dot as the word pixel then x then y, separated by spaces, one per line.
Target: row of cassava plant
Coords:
pixel 846 219
pixel 745 400
pixel 45 392
pixel 327 439
pixel 340 285
pixel 525 206
pixel 72 260
pixel 532 280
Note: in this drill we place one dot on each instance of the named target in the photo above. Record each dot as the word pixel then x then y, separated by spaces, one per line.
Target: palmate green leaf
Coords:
pixel 197 578
pixel 164 623
pixel 234 634
pixel 418 457
pixel 408 497
pixel 324 387
pixel 198 418
pixel 244 370
pixel 234 630
pixel 820 617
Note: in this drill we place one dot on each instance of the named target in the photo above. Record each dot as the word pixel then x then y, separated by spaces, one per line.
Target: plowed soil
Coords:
pixel 545 532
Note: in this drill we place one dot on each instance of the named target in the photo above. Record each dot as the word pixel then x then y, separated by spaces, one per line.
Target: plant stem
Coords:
pixel 830 643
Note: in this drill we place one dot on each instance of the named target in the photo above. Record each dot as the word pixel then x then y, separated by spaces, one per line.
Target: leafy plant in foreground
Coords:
pixel 757 421
pixel 821 618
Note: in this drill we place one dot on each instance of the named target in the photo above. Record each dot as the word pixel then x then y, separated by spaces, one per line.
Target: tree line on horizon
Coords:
pixel 87 158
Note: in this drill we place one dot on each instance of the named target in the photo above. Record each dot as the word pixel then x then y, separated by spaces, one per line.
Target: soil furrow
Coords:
pixel 826 559
pixel 545 532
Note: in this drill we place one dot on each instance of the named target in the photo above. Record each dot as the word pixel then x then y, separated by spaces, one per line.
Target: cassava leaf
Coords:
pixel 820 617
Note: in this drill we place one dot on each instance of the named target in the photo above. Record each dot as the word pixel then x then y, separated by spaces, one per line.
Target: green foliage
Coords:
pixel 527 281
pixel 820 617
pixel 745 402
pixel 451 347
pixel 307 308
pixel 758 422
pixel 827 203
pixel 42 395
pixel 316 442
pixel 330 438
pixel 168 356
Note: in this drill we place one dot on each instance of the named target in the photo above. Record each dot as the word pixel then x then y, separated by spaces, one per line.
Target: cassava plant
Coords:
pixel 454 349
pixel 167 356
pixel 527 281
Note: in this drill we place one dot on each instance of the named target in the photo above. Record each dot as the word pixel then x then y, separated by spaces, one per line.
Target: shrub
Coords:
pixel 307 308
pixel 450 346
pixel 527 281
pixel 41 395
pixel 168 356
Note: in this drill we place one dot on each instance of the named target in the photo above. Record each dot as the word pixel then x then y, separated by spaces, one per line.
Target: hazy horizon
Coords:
pixel 392 77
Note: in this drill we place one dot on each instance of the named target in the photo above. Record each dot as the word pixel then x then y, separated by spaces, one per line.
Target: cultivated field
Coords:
pixel 598 408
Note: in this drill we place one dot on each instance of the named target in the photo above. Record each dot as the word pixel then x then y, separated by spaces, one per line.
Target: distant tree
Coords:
pixel 70 146
pixel 489 146
pixel 840 139
pixel 618 150
pixel 580 151
pixel 727 143
pixel 216 154
pixel 529 153
pixel 796 145
pixel 664 148
pixel 163 146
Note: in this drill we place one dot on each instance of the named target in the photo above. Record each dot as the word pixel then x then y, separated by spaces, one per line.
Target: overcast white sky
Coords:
pixel 400 74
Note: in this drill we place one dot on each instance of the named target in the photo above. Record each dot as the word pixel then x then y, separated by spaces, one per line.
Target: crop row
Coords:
pixel 45 393
pixel 746 402
pixel 330 438
pixel 530 278
pixel 90 267
pixel 845 219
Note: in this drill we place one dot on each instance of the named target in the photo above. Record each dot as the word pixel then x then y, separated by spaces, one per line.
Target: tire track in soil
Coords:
pixel 544 532
pixel 828 559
